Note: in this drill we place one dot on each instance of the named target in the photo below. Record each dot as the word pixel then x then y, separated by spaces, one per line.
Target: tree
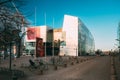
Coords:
pixel 4 1
pixel 98 52
pixel 11 24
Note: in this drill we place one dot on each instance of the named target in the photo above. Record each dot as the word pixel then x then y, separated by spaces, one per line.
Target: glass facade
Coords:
pixel 86 45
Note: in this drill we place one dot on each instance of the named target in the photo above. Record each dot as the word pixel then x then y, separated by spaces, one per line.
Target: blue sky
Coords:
pixel 100 16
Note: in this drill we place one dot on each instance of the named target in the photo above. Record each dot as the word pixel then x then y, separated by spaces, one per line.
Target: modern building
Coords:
pixel 78 39
pixel 44 32
pixel 58 34
pixel 59 37
pixel 73 39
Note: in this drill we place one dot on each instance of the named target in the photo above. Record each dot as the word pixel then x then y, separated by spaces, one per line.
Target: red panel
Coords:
pixel 39 47
pixel 33 32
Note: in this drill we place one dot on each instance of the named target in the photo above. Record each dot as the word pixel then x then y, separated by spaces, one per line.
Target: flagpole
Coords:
pixel 53 38
pixel 35 16
pixel 14 6
pixel 35 32
pixel 46 35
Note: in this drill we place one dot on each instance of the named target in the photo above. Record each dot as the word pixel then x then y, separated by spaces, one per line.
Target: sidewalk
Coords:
pixel 16 63
pixel 117 67
pixel 22 64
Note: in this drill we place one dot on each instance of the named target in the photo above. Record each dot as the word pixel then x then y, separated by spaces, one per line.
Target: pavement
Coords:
pixel 23 64
pixel 116 66
pixel 91 69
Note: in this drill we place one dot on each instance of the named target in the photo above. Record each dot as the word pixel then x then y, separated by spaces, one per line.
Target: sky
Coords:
pixel 100 16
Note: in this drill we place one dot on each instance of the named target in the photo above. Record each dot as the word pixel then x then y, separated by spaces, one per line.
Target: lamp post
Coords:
pixel 76 51
pixel 10 57
pixel 12 42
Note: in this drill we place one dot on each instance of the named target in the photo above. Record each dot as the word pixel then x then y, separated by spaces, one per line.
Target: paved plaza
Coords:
pixel 63 68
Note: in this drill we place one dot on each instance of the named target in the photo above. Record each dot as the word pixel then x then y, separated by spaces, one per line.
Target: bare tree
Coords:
pixel 4 1
pixel 11 24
